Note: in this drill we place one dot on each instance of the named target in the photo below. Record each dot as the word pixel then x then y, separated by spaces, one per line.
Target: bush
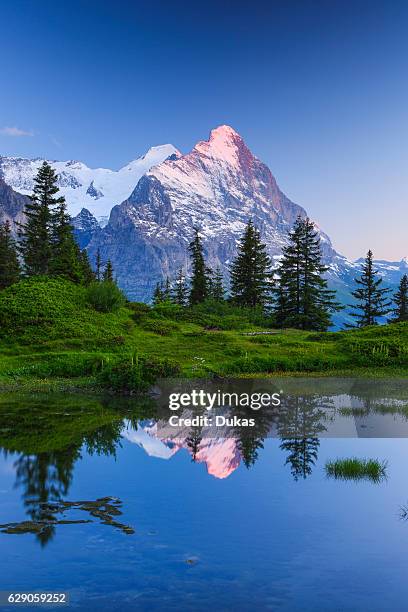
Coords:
pixel 139 310
pixel 64 365
pixel 105 296
pixel 158 326
pixel 136 374
pixel 269 364
pixel 37 301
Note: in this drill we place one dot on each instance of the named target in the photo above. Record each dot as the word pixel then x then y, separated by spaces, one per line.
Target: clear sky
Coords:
pixel 318 89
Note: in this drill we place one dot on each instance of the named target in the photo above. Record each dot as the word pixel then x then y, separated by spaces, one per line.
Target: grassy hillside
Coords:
pixel 51 337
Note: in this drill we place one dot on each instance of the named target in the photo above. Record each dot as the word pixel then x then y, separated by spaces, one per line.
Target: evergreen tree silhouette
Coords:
pixel 401 301
pixel 251 271
pixel 302 299
pixel 199 280
pixel 9 264
pixel 36 246
pixel 370 295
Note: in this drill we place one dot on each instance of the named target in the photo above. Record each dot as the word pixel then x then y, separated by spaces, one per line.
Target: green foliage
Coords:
pixel 216 286
pixel 108 272
pixel 105 296
pixel 370 295
pixel 303 300
pixel 251 271
pixel 401 301
pixel 357 469
pixel 160 326
pixel 180 289
pixel 136 374
pixel 139 310
pixel 199 281
pixel 9 265
pixel 37 301
pixel 66 259
pixel 36 233
pixel 289 363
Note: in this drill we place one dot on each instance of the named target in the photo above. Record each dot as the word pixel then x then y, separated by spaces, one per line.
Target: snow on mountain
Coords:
pixel 217 187
pixel 220 455
pixel 97 189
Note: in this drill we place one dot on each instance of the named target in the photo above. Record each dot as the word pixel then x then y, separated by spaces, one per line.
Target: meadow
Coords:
pixel 53 338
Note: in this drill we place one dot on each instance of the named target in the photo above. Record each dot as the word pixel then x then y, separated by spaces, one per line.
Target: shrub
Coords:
pixel 105 296
pixel 136 374
pixel 139 310
pixel 270 363
pixel 158 326
pixel 37 301
pixel 71 365
pixel 167 310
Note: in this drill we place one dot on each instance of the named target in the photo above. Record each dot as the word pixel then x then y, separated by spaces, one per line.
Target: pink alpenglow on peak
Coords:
pixel 223 144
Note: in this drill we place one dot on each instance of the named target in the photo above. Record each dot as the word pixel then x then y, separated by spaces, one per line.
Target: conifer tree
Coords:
pixel 303 300
pixel 98 265
pixel 167 290
pixel 251 271
pixel 88 274
pixel 199 280
pixel 216 290
pixel 401 301
pixel 372 302
pixel 9 264
pixel 66 260
pixel 108 272
pixel 35 234
pixel 158 295
pixel 180 290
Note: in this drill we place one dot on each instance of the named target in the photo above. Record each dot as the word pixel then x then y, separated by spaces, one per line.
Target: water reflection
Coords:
pixel 44 436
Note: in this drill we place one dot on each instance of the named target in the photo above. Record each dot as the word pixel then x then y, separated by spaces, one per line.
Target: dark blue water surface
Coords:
pixel 268 536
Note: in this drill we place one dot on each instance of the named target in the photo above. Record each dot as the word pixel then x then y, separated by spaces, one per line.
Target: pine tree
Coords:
pixel 98 265
pixel 199 280
pixel 302 299
pixel 167 290
pixel 108 272
pixel 401 301
pixel 66 259
pixel 216 289
pixel 158 295
pixel 87 272
pixel 35 234
pixel 9 264
pixel 180 290
pixel 371 301
pixel 251 271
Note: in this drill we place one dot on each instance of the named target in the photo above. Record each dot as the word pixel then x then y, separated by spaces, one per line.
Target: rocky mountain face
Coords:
pixel 85 227
pixel 217 187
pixel 11 206
pixel 97 189
pixel 156 201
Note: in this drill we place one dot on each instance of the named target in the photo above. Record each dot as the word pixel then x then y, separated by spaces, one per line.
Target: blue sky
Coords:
pixel 317 89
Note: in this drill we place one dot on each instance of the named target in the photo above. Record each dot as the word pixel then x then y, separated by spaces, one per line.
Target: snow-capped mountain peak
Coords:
pixel 97 189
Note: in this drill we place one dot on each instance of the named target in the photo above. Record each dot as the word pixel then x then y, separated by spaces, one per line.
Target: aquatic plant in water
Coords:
pixel 357 469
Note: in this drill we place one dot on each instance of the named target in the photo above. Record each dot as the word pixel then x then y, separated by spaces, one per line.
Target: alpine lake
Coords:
pixel 102 499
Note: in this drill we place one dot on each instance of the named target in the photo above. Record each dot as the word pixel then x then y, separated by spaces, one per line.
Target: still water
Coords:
pixel 243 521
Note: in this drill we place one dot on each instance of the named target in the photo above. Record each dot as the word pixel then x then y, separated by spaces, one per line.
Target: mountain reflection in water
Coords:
pixel 44 436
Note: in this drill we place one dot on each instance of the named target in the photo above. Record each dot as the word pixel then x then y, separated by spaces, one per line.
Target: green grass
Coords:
pixel 50 336
pixel 357 469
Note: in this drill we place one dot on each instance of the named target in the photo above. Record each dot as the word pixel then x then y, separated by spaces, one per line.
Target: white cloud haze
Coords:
pixel 16 132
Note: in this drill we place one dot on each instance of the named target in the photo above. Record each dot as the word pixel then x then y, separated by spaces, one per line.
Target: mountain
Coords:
pixel 12 205
pixel 220 455
pixel 85 227
pixel 98 189
pixel 217 187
